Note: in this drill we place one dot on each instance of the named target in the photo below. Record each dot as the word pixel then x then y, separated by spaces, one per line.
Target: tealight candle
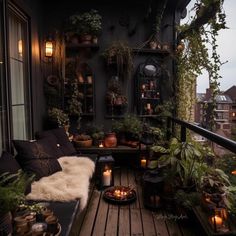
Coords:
pixel 148 106
pixel 107 178
pixel 143 163
pixel 100 145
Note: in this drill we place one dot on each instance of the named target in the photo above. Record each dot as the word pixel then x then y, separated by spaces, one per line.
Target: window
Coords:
pixel 15 98
pixel 19 74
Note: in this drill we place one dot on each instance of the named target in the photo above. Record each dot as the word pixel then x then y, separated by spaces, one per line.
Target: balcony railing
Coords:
pixel 224 142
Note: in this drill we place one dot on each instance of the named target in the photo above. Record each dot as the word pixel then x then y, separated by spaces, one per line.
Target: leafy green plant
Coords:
pixel 59 116
pixel 86 23
pixel 196 36
pixel 12 189
pixel 214 181
pixel 130 125
pixel 187 200
pixel 184 159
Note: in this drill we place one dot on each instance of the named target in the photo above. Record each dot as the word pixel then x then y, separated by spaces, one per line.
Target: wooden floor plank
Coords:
pixel 87 226
pixel 124 211
pixel 101 218
pixel 160 224
pixel 112 221
pixel 129 220
pixel 136 223
pixel 172 225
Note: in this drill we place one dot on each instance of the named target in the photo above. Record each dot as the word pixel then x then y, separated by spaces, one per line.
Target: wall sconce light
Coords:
pixel 48 48
pixel 20 47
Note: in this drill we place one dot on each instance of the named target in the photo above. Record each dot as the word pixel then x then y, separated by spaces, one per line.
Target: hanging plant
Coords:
pixel 195 56
pixel 120 54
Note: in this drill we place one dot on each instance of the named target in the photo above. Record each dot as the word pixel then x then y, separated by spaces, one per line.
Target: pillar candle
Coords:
pixel 106 178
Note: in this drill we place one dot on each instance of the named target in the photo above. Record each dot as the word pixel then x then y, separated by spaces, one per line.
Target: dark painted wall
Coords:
pixel 113 12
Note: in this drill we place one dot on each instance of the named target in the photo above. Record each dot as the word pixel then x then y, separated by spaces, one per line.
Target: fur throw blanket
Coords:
pixel 70 184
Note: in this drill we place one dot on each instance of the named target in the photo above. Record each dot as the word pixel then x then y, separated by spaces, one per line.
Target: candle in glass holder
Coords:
pixel 106 178
pixel 148 106
pixel 217 219
pixel 143 163
pixel 101 144
pixel 233 172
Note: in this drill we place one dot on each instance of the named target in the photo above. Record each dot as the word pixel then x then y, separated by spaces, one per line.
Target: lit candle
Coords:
pixel 217 219
pixel 107 178
pixel 233 172
pixel 148 106
pixel 143 86
pixel 143 163
pixel 100 145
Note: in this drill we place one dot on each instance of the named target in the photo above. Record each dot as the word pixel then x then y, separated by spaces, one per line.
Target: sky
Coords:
pixel 227 49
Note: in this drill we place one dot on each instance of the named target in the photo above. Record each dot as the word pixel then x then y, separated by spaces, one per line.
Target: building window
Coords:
pixel 19 74
pixel 15 95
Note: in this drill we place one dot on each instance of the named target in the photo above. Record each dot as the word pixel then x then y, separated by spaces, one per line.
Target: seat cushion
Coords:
pixel 39 157
pixel 61 138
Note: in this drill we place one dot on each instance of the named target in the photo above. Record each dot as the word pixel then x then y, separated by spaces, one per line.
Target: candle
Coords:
pixel 233 172
pixel 100 145
pixel 217 219
pixel 148 106
pixel 143 163
pixel 143 86
pixel 107 178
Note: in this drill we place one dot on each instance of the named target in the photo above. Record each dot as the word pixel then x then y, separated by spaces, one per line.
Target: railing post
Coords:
pixel 183 133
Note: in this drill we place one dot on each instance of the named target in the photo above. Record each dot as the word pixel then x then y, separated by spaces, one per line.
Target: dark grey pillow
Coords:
pixel 66 146
pixel 9 164
pixel 39 157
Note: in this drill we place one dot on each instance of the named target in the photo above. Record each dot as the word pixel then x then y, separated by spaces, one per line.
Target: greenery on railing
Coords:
pixel 192 59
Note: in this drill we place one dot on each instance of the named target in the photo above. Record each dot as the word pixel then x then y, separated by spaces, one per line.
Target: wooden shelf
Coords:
pixel 81 46
pixel 103 150
pixel 114 117
pixel 150 51
pixel 150 98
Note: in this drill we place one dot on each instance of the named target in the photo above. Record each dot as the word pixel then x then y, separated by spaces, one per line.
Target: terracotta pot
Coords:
pixel 110 140
pixel 84 143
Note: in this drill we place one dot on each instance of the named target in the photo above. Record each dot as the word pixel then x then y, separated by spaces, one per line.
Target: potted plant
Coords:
pixel 214 186
pixel 87 25
pixel 58 116
pixel 83 140
pixel 120 55
pixel 130 127
pixel 12 189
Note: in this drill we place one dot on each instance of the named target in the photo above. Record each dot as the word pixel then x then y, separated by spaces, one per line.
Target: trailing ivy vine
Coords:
pixel 194 56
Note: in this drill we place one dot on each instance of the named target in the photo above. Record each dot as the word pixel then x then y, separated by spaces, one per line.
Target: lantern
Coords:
pixel 48 48
pixel 105 172
pixel 147 140
pixel 152 185
pixel 219 220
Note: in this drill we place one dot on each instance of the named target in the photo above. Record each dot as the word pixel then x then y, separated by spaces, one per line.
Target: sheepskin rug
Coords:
pixel 70 184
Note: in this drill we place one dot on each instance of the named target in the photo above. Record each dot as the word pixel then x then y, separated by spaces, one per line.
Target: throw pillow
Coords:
pixel 9 164
pixel 38 156
pixel 66 146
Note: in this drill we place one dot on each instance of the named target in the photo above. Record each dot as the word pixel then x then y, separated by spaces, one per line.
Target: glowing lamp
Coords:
pixel 48 48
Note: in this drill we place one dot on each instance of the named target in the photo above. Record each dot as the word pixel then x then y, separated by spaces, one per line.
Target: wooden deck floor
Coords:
pixel 103 219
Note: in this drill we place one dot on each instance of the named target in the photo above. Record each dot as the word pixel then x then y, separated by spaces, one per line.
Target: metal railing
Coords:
pixel 224 142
